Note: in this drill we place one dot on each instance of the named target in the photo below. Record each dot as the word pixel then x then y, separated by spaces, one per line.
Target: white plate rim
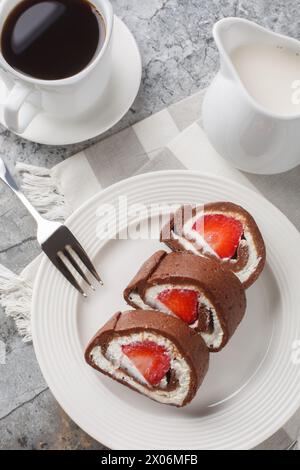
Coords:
pixel 114 189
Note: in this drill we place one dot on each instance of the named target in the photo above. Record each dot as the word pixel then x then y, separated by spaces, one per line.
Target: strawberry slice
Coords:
pixel 151 360
pixel 222 233
pixel 181 302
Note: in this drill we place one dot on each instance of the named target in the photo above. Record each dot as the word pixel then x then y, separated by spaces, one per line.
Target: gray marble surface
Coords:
pixel 179 57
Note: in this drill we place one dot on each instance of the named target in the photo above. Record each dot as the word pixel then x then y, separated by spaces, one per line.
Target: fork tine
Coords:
pixel 86 260
pixel 58 262
pixel 76 266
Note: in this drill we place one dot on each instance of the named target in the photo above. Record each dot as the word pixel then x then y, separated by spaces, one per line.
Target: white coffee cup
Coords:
pixel 66 98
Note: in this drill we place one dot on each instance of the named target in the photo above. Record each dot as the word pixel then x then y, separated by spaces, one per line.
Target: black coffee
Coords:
pixel 52 39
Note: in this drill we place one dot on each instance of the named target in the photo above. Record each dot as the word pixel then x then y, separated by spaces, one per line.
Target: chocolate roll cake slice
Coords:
pixel 208 298
pixel 220 230
pixel 157 356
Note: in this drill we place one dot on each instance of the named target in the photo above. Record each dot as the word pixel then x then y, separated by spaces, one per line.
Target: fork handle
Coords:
pixel 6 176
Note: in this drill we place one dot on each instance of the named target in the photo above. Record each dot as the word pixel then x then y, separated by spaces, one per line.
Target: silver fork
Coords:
pixel 56 240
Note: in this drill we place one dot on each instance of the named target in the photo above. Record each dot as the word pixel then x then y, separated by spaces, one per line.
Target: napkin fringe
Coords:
pixel 15 298
pixel 43 190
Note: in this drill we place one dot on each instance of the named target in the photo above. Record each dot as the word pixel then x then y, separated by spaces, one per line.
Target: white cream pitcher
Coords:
pixel 251 111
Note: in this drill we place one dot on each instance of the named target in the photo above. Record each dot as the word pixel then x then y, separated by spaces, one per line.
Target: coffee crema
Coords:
pixel 52 39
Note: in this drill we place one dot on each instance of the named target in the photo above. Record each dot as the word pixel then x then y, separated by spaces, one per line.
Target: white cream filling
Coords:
pixel 137 300
pixel 190 235
pixel 213 339
pixel 115 359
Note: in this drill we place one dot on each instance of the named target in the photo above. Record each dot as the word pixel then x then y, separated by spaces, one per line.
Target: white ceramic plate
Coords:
pixel 252 387
pixel 109 109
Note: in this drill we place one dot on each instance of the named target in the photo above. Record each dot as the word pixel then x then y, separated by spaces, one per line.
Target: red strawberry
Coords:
pixel 222 233
pixel 152 360
pixel 181 302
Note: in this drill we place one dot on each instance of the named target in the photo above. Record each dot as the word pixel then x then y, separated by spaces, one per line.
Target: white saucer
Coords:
pixel 119 96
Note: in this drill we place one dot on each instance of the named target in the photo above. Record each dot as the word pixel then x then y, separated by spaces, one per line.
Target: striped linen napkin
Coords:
pixel 170 139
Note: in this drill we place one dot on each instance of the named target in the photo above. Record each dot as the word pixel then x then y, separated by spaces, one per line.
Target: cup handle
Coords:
pixel 12 107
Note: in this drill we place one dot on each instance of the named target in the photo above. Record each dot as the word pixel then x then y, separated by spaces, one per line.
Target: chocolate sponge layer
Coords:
pixel 188 343
pixel 186 212
pixel 220 286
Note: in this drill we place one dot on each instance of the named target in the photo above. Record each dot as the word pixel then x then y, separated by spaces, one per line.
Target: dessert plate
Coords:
pixel 108 110
pixel 253 385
